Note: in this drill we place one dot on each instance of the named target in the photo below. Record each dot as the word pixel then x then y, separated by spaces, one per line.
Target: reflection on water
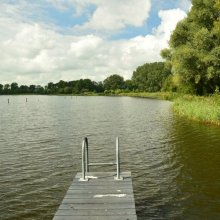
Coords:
pixel 175 163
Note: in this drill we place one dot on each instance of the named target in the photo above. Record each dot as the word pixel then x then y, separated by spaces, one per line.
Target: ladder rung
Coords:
pixel 99 164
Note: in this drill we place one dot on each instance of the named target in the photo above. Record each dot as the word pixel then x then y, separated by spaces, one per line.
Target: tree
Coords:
pixel 1 89
pixel 14 88
pixel 129 85
pixel 24 89
pixel 38 89
pixel 51 88
pixel 99 87
pixel 150 76
pixel 67 90
pixel 6 89
pixel 32 88
pixel 113 82
pixel 87 85
pixel 194 52
pixel 61 84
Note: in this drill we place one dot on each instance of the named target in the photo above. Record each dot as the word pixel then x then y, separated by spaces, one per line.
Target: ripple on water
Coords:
pixel 174 163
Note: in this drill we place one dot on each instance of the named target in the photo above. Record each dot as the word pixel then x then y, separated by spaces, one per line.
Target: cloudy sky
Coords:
pixel 49 40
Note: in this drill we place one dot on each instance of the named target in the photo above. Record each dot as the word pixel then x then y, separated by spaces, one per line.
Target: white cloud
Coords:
pixel 115 15
pixel 109 15
pixel 35 53
pixel 169 19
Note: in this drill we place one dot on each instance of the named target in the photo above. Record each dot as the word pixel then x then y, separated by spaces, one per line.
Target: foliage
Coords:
pixel 198 108
pixel 1 89
pixel 194 52
pixel 113 82
pixel 151 95
pixel 150 76
pixel 62 87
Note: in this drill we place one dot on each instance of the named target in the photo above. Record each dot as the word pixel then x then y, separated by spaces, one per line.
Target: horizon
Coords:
pixel 53 40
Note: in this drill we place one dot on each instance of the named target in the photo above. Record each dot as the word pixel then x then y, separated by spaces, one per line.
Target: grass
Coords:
pixel 152 95
pixel 202 109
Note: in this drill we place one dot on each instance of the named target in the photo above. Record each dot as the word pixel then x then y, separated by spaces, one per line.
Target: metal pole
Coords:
pixel 83 178
pixel 118 177
pixel 87 154
pixel 83 160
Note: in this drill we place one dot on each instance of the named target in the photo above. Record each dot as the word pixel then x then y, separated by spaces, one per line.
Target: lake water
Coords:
pixel 175 163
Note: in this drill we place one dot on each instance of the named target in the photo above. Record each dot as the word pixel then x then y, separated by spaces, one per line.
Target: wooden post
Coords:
pixel 8 101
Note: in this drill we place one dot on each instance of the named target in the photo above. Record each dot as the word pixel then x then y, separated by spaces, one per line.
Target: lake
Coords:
pixel 175 163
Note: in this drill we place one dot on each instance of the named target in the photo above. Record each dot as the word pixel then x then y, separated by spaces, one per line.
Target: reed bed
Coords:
pixel 202 109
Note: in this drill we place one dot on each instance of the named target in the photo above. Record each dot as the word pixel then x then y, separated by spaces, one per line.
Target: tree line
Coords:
pixel 192 63
pixel 149 77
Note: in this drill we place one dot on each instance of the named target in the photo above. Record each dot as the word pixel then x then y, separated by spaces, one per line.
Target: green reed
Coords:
pixel 202 109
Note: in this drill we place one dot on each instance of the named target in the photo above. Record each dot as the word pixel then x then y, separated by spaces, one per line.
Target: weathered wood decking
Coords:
pixel 101 197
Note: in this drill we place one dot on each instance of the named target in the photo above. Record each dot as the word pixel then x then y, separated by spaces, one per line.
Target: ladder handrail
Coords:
pixel 87 154
pixel 86 164
pixel 84 159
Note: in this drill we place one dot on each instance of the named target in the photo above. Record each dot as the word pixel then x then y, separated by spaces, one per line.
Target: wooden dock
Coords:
pixel 100 198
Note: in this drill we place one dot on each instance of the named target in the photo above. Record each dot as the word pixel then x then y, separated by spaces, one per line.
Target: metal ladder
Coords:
pixel 86 164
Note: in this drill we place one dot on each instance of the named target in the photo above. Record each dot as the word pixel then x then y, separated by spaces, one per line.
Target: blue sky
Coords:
pixel 50 40
pixel 66 18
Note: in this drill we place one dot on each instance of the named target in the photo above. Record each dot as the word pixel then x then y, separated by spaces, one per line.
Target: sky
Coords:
pixel 50 40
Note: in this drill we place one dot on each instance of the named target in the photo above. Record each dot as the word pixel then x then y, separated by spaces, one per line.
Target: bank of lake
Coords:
pixel 204 109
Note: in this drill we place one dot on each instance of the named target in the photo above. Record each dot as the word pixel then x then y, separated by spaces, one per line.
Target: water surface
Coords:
pixel 175 163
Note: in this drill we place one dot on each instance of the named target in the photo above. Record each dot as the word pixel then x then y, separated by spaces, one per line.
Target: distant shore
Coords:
pixel 203 109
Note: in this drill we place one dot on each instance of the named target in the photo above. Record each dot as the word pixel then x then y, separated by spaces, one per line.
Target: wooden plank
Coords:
pixel 109 179
pixel 104 175
pixel 112 187
pixel 93 212
pixel 99 200
pixel 91 195
pixel 96 191
pixel 100 206
pixel 101 182
pixel 125 217
pixel 101 197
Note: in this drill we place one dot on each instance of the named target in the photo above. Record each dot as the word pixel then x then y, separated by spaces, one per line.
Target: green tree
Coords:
pixel 61 84
pixel 113 82
pixel 99 87
pixel 38 89
pixel 194 52
pixel 24 89
pixel 14 88
pixel 6 89
pixel 51 88
pixel 129 85
pixel 32 88
pixel 67 90
pixel 88 85
pixel 150 76
pixel 1 89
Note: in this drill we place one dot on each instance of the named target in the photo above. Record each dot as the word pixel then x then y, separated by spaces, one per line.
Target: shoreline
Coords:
pixel 202 109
